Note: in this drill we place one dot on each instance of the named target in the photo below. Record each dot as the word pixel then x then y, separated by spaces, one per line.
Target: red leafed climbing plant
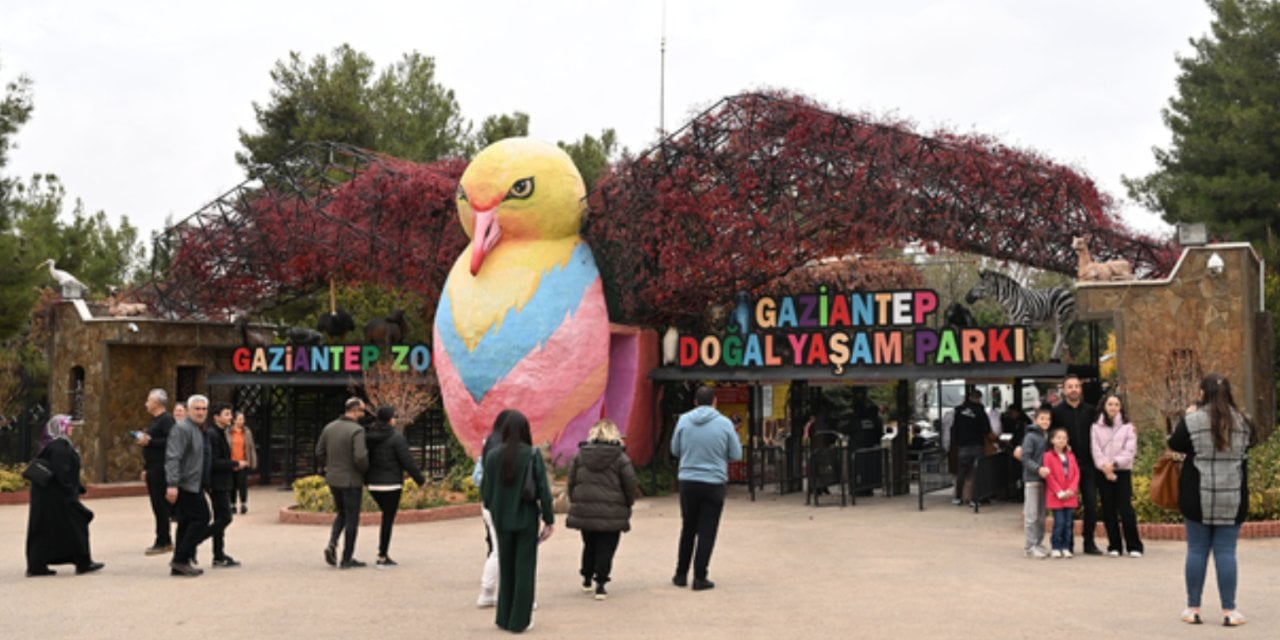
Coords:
pixel 759 184
pixel 742 198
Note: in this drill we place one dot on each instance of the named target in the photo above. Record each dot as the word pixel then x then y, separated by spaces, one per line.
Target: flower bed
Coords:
pixel 293 515
pixel 92 492
pixel 11 479
pixel 314 502
pixel 312 494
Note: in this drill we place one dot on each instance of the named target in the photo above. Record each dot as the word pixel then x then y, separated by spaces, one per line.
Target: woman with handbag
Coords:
pixel 489 573
pixel 57 522
pixel 515 491
pixel 240 440
pixel 1213 493
pixel 1115 444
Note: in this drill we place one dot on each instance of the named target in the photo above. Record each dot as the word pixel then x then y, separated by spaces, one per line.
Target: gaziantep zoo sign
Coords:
pixel 335 358
pixel 845 330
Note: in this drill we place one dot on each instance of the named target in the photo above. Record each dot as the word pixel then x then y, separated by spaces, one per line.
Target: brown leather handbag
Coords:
pixel 1165 476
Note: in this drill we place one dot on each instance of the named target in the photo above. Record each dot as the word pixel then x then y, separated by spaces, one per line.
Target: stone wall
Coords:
pixel 123 359
pixel 1193 321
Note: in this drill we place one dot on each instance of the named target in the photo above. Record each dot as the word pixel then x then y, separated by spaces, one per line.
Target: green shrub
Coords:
pixel 1264 480
pixel 11 478
pixel 656 479
pixel 312 494
pixel 1147 510
pixel 1150 446
pixel 459 478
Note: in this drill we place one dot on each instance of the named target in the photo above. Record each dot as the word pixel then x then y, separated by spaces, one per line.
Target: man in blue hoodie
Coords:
pixel 705 442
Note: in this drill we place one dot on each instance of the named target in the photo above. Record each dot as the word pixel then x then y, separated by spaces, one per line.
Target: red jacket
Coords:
pixel 1059 481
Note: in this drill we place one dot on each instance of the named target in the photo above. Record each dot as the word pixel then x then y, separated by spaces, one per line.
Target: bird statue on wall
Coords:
pixel 70 286
pixel 521 322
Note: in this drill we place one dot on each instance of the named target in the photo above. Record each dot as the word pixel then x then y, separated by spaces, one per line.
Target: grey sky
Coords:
pixel 138 103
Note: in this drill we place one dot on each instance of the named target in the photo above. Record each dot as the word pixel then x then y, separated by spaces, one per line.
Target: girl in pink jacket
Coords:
pixel 1115 443
pixel 1060 489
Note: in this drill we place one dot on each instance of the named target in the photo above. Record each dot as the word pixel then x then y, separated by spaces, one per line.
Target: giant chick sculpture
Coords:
pixel 522 322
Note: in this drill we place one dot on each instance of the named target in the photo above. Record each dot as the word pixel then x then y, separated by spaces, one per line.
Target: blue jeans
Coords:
pixel 1062 537
pixel 1221 541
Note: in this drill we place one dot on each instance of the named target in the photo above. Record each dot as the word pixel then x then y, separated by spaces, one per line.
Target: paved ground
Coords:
pixel 877 570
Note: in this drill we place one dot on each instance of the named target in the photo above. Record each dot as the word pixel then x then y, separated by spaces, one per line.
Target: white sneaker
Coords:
pixel 484 603
pixel 1135 554
pixel 1114 554
pixel 1037 552
pixel 1066 553
pixel 1056 553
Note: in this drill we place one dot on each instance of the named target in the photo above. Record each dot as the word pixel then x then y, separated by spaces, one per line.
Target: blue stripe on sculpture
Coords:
pixel 558 295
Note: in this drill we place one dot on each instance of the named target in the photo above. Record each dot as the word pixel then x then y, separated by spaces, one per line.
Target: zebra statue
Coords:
pixel 1030 307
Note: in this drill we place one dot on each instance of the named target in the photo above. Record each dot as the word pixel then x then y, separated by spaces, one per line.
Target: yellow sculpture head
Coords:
pixel 519 189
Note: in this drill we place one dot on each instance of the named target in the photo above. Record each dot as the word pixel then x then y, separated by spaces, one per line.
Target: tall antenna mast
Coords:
pixel 662 77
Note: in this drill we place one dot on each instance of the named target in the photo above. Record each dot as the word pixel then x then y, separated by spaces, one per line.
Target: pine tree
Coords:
pixel 1223 167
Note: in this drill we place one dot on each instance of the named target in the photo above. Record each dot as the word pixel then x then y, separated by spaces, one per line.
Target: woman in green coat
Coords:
pixel 515 520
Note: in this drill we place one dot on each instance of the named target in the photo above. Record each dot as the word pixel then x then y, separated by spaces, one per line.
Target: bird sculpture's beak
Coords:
pixel 485 234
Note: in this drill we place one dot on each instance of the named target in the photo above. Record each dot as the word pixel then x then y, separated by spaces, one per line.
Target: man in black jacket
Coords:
pixel 221 482
pixel 1077 416
pixel 153 442
pixel 969 430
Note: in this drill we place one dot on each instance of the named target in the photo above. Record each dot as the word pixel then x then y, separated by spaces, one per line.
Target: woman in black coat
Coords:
pixel 602 488
pixel 389 460
pixel 57 523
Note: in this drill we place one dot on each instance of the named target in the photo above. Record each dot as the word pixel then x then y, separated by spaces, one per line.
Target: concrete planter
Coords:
pixel 93 492
pixel 1177 531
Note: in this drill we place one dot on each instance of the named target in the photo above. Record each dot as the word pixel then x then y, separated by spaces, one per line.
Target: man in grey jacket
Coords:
pixel 341 450
pixel 184 471
pixel 1031 455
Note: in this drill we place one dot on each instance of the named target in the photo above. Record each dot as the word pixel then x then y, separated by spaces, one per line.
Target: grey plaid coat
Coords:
pixel 1214 487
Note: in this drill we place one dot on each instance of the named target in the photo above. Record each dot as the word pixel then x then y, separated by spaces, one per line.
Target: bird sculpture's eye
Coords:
pixel 462 193
pixel 523 188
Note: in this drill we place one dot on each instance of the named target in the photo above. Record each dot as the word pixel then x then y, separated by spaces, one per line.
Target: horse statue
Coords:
pixel 1090 271
pixel 1030 307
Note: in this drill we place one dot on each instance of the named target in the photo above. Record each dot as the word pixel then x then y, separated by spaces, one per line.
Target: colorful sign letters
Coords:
pixel 842 330
pixel 335 358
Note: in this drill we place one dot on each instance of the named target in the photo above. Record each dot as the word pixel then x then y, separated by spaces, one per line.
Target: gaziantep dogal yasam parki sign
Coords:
pixel 845 330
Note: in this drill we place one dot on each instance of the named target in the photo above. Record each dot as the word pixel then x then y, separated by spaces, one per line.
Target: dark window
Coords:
pixel 188 379
pixel 75 389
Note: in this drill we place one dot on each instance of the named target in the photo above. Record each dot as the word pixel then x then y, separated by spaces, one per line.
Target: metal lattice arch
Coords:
pixel 738 198
pixel 330 211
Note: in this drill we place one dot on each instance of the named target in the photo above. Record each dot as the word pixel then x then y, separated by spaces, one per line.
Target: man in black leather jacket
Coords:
pixel 221 482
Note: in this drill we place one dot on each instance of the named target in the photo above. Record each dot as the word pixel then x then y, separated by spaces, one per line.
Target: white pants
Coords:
pixel 489 576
